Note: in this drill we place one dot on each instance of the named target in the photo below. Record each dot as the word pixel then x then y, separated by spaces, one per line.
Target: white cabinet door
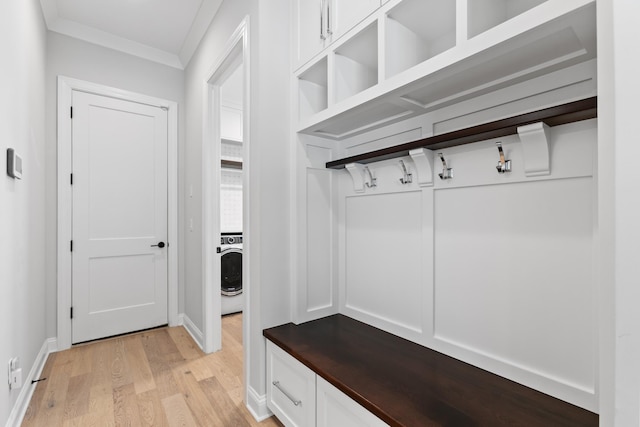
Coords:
pixel 119 277
pixel 309 27
pixel 230 123
pixel 291 389
pixel 320 22
pixel 334 408
pixel 346 14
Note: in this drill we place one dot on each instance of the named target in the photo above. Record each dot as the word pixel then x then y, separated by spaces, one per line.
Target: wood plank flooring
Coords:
pixel 152 378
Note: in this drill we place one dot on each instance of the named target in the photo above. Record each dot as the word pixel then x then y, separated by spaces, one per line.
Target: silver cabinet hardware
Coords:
pixel 447 173
pixel 372 181
pixel 329 32
pixel 277 385
pixel 503 165
pixel 407 177
pixel 322 36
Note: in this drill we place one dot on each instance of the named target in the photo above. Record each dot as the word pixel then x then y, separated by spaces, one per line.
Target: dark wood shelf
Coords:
pixel 553 116
pixel 231 164
pixel 405 384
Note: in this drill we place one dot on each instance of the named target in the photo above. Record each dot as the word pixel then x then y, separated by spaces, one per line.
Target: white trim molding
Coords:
pixel 66 86
pixel 236 53
pixel 179 60
pixel 192 329
pixel 257 405
pixel 22 403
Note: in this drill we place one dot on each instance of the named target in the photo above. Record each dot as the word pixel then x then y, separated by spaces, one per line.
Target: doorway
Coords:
pixel 123 104
pixel 119 216
pixel 227 85
pixel 231 147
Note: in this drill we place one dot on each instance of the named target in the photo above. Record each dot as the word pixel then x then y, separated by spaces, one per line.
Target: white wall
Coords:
pixel 197 72
pixel 619 210
pixel 495 270
pixel 22 214
pixel 77 59
pixel 267 251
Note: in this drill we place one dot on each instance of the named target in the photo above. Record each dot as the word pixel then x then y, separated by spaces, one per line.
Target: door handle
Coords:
pixel 159 245
pixel 329 32
pixel 322 35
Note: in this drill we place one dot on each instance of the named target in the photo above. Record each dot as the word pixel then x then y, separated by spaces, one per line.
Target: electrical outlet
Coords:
pixel 16 378
pixel 14 373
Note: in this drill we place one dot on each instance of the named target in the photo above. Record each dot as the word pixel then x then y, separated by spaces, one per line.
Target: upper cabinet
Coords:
pixel 345 14
pixel 231 123
pixel 385 61
pixel 321 22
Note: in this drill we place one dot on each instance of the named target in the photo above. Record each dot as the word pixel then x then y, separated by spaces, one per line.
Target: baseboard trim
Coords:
pixel 52 345
pixel 257 405
pixel 26 392
pixel 193 330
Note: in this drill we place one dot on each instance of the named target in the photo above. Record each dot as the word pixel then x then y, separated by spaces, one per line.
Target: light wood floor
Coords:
pixel 152 378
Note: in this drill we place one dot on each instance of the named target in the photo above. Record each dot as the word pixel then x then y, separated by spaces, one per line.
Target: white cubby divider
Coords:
pixel 483 15
pixel 356 64
pixel 417 30
pixel 313 89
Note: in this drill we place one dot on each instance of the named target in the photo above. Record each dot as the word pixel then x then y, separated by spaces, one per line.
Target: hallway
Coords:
pixel 152 378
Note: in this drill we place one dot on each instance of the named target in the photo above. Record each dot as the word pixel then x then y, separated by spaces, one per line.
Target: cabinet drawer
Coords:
pixel 337 409
pixel 291 388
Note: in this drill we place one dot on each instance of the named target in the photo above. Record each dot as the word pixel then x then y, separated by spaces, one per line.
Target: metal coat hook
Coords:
pixel 407 178
pixel 447 173
pixel 372 180
pixel 503 165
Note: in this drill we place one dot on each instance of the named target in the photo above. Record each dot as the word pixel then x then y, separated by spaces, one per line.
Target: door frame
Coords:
pixel 236 52
pixel 66 86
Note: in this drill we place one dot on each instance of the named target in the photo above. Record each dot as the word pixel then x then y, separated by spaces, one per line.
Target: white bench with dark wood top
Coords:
pixel 405 384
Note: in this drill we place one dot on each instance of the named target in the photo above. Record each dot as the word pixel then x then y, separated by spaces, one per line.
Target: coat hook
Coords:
pixel 407 178
pixel 447 173
pixel 503 165
pixel 372 180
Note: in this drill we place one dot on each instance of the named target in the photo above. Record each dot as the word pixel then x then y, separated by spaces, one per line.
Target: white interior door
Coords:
pixel 119 278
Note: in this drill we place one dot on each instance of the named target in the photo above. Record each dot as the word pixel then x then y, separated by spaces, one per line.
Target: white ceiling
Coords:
pixel 164 31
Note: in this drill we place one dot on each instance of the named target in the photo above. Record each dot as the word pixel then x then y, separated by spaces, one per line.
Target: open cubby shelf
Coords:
pixel 356 64
pixel 230 164
pixel 411 57
pixel 483 15
pixel 553 116
pixel 418 30
pixel 312 84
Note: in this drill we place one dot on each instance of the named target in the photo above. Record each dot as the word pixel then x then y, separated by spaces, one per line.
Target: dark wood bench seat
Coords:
pixel 406 384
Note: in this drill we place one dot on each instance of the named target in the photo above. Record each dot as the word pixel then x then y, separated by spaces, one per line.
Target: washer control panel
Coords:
pixel 232 239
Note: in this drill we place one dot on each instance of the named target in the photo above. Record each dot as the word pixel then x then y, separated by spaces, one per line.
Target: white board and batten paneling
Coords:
pixel 493 269
pixel 316 293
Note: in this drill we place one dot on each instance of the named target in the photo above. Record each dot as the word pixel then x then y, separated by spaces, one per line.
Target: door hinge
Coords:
pixel 71 112
pixel 218 249
pixel 71 178
pixel 71 312
pixel 71 245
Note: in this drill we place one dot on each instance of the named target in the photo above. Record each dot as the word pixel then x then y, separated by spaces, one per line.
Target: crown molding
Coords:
pixel 199 27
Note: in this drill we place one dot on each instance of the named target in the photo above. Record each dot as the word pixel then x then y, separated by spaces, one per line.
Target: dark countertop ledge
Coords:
pixel 406 384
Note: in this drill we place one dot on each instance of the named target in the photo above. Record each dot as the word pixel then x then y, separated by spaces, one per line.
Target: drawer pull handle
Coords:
pixel 295 402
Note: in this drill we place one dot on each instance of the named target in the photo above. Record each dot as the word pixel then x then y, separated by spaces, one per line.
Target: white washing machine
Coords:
pixel 231 273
